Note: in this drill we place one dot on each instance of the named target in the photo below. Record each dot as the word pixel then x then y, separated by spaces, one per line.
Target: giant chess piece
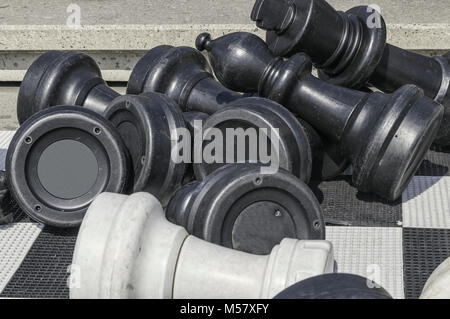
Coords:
pixel 349 48
pixel 386 136
pixel 126 248
pixel 335 286
pixel 184 74
pixel 148 123
pixel 239 207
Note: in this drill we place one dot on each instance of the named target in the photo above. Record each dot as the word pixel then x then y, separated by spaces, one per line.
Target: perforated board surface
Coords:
pixel 397 244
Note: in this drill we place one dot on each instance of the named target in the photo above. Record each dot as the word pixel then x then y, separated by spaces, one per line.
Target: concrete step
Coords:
pixel 142 24
pixel 8 113
pixel 117 33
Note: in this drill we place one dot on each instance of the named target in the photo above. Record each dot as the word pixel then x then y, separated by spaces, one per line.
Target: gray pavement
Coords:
pixel 120 12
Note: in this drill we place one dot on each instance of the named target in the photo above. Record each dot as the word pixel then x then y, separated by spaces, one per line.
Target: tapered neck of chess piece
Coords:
pixel 385 136
pixel 146 123
pixel 349 47
pixel 183 74
pixel 346 49
pixel 63 78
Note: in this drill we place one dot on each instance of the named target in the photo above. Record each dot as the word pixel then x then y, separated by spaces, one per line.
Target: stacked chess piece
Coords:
pixel 86 155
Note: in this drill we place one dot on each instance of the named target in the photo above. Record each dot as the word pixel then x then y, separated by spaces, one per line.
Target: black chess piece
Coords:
pixel 238 207
pixel 349 48
pixel 185 75
pixel 148 124
pixel 386 136
pixel 335 286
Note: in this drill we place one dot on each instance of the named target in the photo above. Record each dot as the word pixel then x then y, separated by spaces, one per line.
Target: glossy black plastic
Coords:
pixel 350 49
pixel 239 207
pixel 184 74
pixel 294 153
pixel 335 286
pixel 385 136
pixel 6 216
pixel 40 166
pixel 63 78
pixel 147 123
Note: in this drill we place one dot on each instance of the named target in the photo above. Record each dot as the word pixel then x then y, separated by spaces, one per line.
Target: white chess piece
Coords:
pixel 127 249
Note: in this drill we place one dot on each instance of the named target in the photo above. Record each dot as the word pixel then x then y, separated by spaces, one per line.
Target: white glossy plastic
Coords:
pixel 438 285
pixel 127 249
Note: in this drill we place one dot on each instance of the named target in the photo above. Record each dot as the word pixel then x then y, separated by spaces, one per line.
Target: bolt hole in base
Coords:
pixel 317 224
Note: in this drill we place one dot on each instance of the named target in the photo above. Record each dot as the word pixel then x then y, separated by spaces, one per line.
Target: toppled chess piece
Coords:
pixel 238 207
pixel 6 217
pixel 386 136
pixel 148 123
pixel 60 159
pixel 335 286
pixel 349 48
pixel 185 75
pixel 126 248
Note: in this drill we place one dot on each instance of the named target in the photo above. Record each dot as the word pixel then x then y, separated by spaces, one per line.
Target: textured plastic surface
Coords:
pixel 436 163
pixel 5 139
pixel 15 242
pixel 372 252
pixel 45 270
pixel 343 205
pixel 425 203
pixel 424 249
pixel 5 198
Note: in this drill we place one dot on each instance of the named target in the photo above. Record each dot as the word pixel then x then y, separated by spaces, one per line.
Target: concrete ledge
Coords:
pixel 8 114
pixel 117 33
pixel 431 36
pixel 420 37
pixel 108 37
pixel 109 75
pixel 118 47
